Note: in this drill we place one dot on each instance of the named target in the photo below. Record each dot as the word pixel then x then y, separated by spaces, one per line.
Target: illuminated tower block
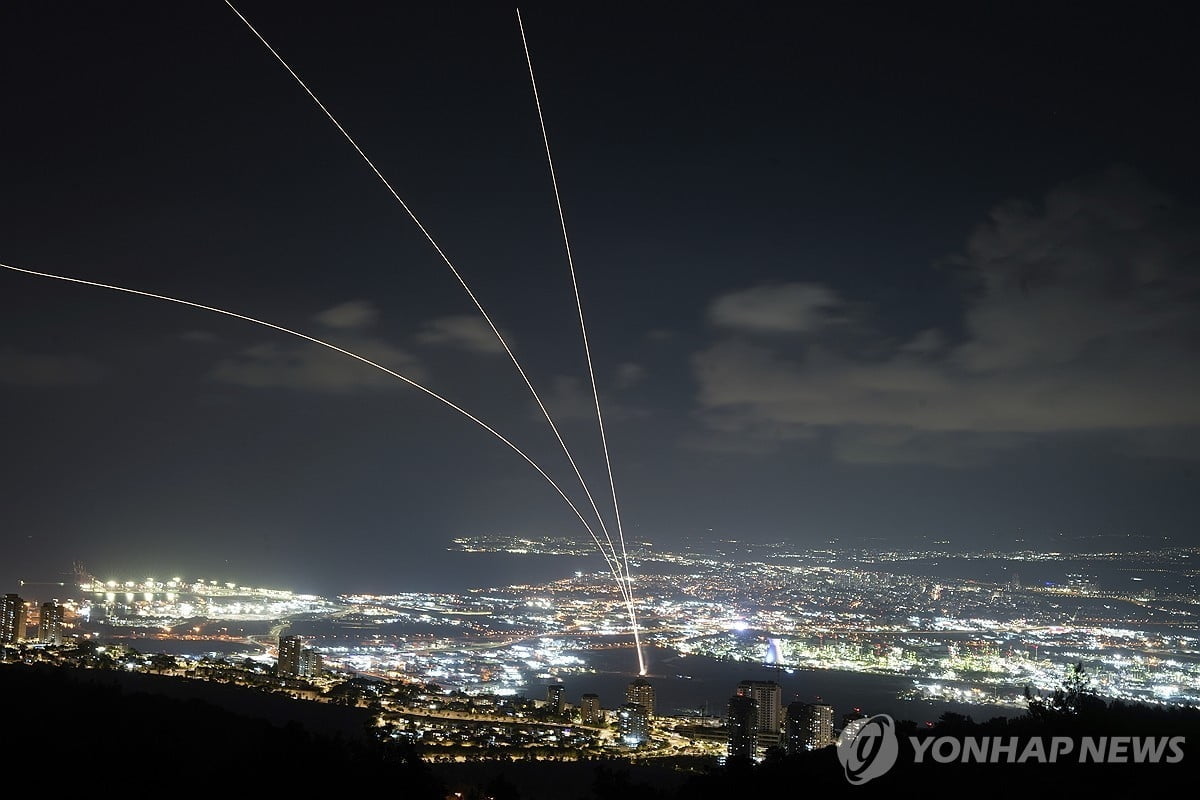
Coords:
pixel 589 709
pixel 769 697
pixel 641 693
pixel 12 619
pixel 809 726
pixel 50 623
pixel 633 724
pixel 743 727
pixel 554 697
pixel 291 649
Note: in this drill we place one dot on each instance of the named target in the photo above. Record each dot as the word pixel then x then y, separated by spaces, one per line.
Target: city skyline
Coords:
pixel 874 462
pixel 815 282
pixel 945 629
pixel 819 647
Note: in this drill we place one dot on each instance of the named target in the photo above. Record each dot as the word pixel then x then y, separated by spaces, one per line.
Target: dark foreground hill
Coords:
pixel 163 733
pixel 95 723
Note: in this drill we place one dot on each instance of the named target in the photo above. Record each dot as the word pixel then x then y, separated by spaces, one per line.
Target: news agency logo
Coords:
pixel 1052 750
pixel 869 751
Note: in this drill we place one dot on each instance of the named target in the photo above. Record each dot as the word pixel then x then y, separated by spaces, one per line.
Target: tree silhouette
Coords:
pixel 161 662
pixel 1074 697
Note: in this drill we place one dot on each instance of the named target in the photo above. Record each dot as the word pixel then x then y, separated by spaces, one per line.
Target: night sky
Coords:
pixel 879 276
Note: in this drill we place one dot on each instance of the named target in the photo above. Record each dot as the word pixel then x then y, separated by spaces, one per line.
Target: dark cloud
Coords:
pixel 570 398
pixel 464 331
pixel 881 445
pixel 629 374
pixel 1080 315
pixel 199 337
pixel 309 367
pixel 45 370
pixel 776 308
pixel 352 314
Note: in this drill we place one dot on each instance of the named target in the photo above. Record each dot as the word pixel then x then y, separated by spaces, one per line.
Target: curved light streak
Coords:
pixel 462 281
pixel 587 350
pixel 612 563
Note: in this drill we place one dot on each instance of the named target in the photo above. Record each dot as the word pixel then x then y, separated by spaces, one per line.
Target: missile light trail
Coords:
pixel 613 564
pixel 445 258
pixel 626 584
pixel 587 350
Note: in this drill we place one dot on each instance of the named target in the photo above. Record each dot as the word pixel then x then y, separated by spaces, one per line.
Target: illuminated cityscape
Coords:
pixel 569 403
pixel 520 667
